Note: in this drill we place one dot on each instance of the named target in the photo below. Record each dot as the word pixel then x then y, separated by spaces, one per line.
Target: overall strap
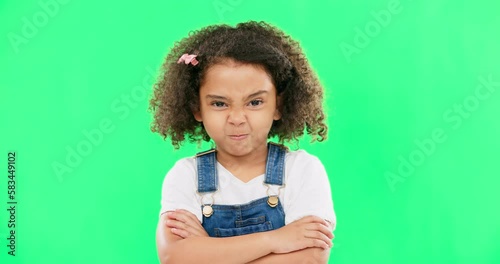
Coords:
pixel 207 171
pixel 275 165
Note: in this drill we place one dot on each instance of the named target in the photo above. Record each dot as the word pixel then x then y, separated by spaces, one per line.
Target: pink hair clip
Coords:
pixel 188 59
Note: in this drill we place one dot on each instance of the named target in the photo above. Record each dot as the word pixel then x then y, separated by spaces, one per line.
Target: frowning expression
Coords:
pixel 238 104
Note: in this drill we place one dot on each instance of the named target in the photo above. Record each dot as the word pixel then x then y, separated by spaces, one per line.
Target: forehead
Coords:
pixel 233 78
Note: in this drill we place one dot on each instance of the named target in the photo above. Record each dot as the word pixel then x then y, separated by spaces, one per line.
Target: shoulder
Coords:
pixel 302 167
pixel 187 163
pixel 183 169
pixel 301 159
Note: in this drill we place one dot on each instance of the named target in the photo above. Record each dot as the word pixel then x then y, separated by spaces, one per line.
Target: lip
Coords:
pixel 238 137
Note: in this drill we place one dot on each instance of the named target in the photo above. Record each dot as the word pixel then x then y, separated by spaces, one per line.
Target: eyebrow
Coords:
pixel 218 97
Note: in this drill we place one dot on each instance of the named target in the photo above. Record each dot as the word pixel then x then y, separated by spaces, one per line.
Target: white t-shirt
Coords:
pixel 306 192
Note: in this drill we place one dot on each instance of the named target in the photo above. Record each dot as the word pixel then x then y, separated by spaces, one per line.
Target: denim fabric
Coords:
pixel 242 219
pixel 207 171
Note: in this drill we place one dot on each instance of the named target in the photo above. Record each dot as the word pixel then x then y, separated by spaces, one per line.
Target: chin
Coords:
pixel 238 150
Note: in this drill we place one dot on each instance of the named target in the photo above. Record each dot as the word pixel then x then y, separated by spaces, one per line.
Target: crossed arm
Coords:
pixel 180 238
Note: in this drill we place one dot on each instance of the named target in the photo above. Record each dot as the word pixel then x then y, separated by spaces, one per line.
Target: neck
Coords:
pixel 254 159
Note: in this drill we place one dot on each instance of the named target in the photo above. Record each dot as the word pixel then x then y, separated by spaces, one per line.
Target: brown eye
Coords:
pixel 218 104
pixel 256 102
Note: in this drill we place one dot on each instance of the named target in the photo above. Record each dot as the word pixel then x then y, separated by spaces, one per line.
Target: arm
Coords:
pixel 175 249
pixel 174 246
pixel 178 247
pixel 311 188
pixel 308 255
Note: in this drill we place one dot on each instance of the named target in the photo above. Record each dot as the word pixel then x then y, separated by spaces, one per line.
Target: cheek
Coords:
pixel 261 120
pixel 213 122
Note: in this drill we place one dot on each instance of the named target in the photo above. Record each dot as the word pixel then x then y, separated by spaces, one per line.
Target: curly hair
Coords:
pixel 176 91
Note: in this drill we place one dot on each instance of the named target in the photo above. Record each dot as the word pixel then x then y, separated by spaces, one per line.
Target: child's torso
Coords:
pixel 262 214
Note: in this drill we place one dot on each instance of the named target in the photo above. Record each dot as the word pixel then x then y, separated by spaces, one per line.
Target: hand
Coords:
pixel 310 231
pixel 185 224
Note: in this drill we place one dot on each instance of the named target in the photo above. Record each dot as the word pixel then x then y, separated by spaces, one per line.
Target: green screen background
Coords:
pixel 413 148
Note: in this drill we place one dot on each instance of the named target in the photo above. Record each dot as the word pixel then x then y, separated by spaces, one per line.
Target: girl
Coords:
pixel 247 200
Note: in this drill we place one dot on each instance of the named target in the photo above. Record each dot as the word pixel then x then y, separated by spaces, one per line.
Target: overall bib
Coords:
pixel 259 215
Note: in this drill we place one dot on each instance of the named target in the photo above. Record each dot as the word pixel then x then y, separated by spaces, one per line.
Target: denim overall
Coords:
pixel 256 216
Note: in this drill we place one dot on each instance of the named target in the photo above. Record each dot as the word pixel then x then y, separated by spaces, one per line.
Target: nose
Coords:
pixel 237 117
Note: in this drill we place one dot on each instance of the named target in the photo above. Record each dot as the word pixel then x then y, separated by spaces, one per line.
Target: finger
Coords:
pixel 321 228
pixel 193 231
pixel 315 219
pixel 327 231
pixel 176 224
pixel 317 243
pixel 180 216
pixel 319 236
pixel 164 217
pixel 331 225
pixel 198 230
pixel 190 215
pixel 184 231
pixel 175 215
pixel 185 218
pixel 180 232
pixel 170 214
pixel 170 223
pixel 190 222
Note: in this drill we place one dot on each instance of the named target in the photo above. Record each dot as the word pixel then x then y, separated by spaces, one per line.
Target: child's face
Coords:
pixel 238 104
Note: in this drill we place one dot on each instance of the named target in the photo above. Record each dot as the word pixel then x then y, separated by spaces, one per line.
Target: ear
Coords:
pixel 197 116
pixel 277 112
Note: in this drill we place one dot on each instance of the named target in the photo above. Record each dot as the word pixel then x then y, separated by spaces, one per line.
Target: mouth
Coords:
pixel 238 137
